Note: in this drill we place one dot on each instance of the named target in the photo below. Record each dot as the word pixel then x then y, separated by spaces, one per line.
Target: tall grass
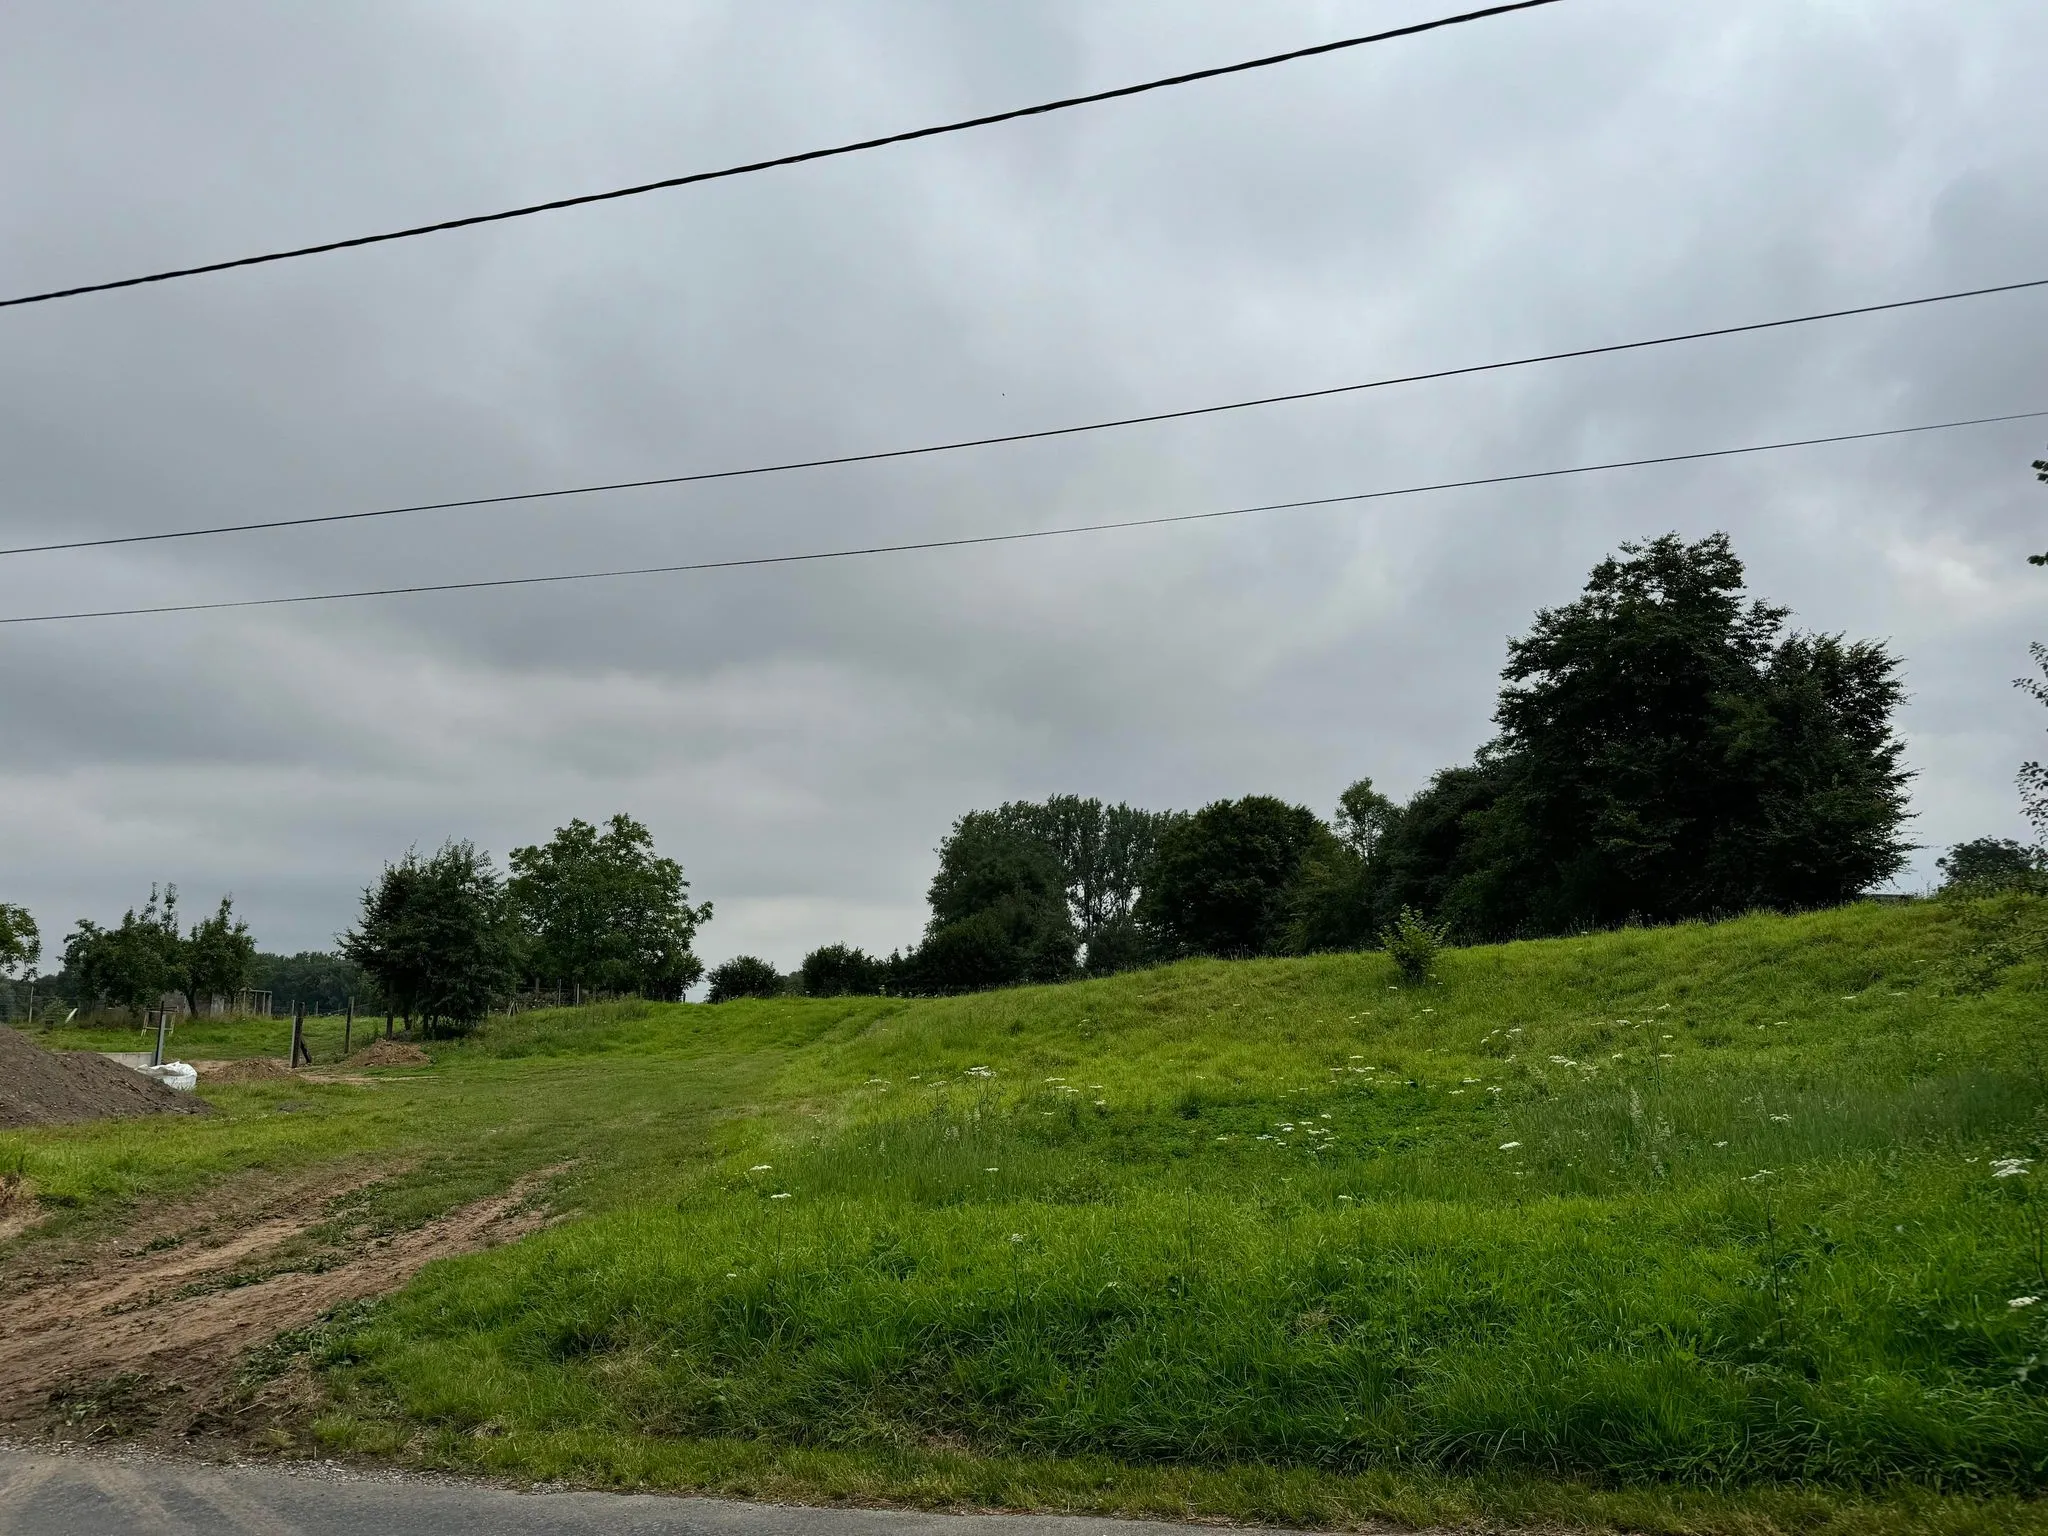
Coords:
pixel 1709 1205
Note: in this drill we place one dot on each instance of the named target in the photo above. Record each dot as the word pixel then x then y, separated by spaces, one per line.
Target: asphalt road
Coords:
pixel 92 1495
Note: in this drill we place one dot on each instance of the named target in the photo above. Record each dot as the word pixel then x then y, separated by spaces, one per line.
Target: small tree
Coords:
pixel 21 944
pixel 604 911
pixel 134 965
pixel 217 956
pixel 745 976
pixel 1413 943
pixel 439 937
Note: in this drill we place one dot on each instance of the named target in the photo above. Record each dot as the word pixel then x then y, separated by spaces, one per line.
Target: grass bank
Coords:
pixel 1686 1229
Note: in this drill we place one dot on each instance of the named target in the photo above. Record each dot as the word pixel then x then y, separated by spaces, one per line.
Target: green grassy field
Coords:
pixel 1688 1229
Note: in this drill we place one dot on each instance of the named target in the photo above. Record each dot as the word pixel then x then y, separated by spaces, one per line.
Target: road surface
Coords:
pixel 42 1494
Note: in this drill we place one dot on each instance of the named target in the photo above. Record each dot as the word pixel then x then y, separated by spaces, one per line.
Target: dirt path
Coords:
pixel 142 1330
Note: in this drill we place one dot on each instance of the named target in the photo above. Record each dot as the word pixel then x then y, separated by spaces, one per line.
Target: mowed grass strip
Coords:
pixel 1697 1228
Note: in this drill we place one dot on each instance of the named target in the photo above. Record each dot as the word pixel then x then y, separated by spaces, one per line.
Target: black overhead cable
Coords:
pixel 800 158
pixel 1015 537
pixel 1018 437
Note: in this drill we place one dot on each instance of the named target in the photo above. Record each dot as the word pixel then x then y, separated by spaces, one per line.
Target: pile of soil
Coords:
pixel 390 1053
pixel 251 1069
pixel 39 1087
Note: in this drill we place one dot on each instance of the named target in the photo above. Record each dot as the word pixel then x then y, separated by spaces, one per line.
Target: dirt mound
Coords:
pixel 39 1087
pixel 390 1053
pixel 249 1069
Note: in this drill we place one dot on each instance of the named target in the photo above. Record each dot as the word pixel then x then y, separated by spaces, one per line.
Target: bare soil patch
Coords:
pixel 390 1053
pixel 141 1334
pixel 249 1069
pixel 39 1087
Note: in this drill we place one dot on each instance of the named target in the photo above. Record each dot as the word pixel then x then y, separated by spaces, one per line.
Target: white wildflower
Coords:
pixel 2009 1167
pixel 783 1196
pixel 1509 1146
pixel 760 1167
pixel 2022 1301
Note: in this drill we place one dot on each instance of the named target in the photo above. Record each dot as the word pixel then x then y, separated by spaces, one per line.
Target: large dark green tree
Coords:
pixel 1003 872
pixel 604 911
pixel 1666 750
pixel 1222 880
pixel 999 910
pixel 439 936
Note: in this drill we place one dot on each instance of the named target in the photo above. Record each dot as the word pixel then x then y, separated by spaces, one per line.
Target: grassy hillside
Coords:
pixel 1696 1228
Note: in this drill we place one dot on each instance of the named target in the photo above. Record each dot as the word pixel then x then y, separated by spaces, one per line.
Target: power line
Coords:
pixel 801 158
pixel 813 556
pixel 958 444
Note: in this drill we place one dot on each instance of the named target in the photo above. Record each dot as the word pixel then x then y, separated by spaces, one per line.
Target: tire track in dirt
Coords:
pixel 151 1315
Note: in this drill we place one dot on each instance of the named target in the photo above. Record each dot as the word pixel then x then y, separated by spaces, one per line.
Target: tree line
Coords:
pixel 1665 749
pixel 441 938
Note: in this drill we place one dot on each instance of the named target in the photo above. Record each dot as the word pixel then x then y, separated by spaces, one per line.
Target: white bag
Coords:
pixel 174 1074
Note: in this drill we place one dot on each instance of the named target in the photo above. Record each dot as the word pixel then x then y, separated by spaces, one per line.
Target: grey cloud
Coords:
pixel 802 737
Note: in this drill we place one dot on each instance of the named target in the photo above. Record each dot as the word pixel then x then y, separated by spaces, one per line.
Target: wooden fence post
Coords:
pixel 348 1028
pixel 299 1046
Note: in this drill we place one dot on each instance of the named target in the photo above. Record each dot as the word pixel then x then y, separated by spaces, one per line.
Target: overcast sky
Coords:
pixel 802 737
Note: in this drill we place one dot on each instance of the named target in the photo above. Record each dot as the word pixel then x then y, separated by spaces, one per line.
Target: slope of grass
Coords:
pixel 1689 1229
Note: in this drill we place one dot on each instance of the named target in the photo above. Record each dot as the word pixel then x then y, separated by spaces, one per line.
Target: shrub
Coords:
pixel 837 971
pixel 1414 943
pixel 745 976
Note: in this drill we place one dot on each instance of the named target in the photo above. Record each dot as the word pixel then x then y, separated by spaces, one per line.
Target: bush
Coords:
pixel 745 976
pixel 837 971
pixel 1413 942
pixel 1016 940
